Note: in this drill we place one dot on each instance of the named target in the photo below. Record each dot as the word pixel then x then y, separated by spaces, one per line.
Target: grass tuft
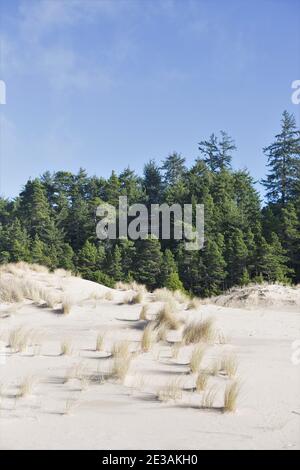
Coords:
pixel 65 348
pixel 201 331
pixel 229 365
pixel 148 337
pixel 27 386
pixel 167 317
pixel 171 391
pixel 66 305
pixel 197 357
pixel 100 341
pixel 209 397
pixel 202 381
pixel 231 394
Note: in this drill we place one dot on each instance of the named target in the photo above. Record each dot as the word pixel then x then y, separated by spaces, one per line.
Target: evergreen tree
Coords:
pixel 273 261
pixel 173 168
pixel 282 182
pixel 226 147
pixel 34 209
pixel 237 254
pixel 115 268
pixel 210 151
pixel 148 262
pixel 168 267
pixel 38 252
pixel 152 183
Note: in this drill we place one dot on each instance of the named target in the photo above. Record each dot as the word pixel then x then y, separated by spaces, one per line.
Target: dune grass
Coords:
pixel 19 339
pixel 167 317
pixel 171 391
pixel 180 297
pixel 27 386
pixel 199 331
pixel 122 358
pixel 100 342
pixel 66 348
pixel 176 348
pixel 197 357
pixel 144 312
pixel 66 305
pixel 209 397
pixel 193 304
pixel 229 365
pixel 202 381
pixel 109 295
pixel 148 337
pixel 163 295
pixel 231 395
pixel 131 286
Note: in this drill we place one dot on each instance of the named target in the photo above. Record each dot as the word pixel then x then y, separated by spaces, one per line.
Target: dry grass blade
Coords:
pixel 19 339
pixel 231 394
pixel 66 306
pixel 209 397
pixel 229 365
pixel 137 298
pixel 65 348
pixel 167 317
pixel 100 342
pixel 27 386
pixel 148 337
pixel 197 357
pixel 144 312
pixel 171 391
pixel 176 350
pixel 202 381
pixel 201 331
pixel 109 295
pixel 193 304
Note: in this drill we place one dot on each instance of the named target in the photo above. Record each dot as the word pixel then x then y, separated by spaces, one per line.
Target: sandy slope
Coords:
pixel 109 415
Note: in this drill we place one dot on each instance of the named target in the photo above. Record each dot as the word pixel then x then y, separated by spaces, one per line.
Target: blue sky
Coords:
pixel 106 84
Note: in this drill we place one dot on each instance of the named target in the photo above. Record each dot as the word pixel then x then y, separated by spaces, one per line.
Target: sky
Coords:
pixel 106 84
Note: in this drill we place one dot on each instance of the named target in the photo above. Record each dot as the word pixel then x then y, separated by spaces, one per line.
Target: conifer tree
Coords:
pixel 173 168
pixel 148 262
pixel 34 209
pixel 282 182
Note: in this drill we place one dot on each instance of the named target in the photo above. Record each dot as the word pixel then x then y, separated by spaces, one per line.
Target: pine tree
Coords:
pixel 289 233
pixel 66 258
pixel 87 260
pixel 113 190
pixel 38 252
pixel 282 182
pixel 20 242
pixel 173 168
pixel 115 268
pixel 152 183
pixel 237 254
pixel 131 186
pixel 217 153
pixel 273 261
pixel 210 151
pixel 34 209
pixel 173 282
pixel 148 262
pixel 226 147
pixel 168 267
pixel 213 266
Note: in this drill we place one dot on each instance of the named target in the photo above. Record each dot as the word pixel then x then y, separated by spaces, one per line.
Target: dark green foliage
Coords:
pixel 148 262
pixel 52 221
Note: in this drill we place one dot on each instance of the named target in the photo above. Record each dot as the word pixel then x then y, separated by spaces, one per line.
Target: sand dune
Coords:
pixel 78 370
pixel 260 295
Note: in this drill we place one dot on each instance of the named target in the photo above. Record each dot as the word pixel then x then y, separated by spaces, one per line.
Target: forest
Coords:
pixel 248 237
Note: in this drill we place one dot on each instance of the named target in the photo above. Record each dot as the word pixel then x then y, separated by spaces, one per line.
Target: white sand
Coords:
pixel 111 415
